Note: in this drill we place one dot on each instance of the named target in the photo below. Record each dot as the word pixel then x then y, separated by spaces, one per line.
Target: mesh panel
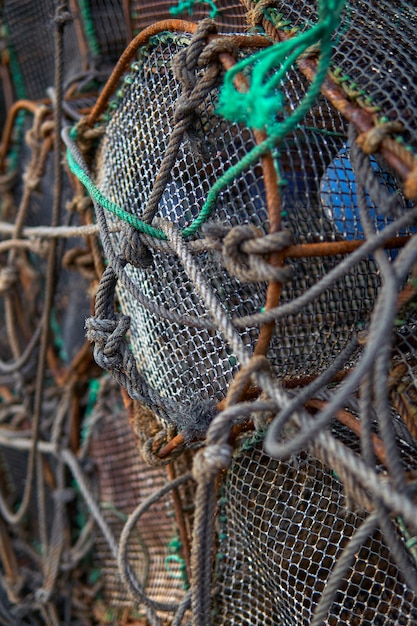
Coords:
pixel 124 480
pixel 372 52
pixel 291 518
pixel 109 25
pixel 319 203
pixel 28 23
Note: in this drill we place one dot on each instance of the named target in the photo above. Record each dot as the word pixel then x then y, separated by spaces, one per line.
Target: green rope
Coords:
pixel 89 27
pixel 107 204
pixel 114 208
pixel 175 547
pixel 259 106
pixel 19 87
pixel 188 5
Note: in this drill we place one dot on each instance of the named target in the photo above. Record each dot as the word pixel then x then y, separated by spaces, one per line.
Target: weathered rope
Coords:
pixel 119 264
pixel 126 572
pixel 366 178
pixel 194 91
pixel 244 251
pixel 363 252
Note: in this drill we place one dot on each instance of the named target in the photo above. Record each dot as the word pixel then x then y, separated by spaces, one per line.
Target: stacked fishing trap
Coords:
pixel 208 363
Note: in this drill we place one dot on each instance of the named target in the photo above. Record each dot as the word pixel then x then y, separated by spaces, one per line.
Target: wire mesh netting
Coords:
pixel 234 214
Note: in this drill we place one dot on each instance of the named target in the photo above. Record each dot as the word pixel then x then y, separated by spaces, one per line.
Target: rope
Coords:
pixel 194 92
pixel 111 352
pixel 126 572
pixel 119 266
pixel 245 252
pixel 366 178
pixel 61 17
pixel 73 464
pixel 363 252
pixel 260 105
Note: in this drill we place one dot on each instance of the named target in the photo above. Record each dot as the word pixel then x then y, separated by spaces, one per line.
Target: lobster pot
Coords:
pixel 282 526
pixel 123 480
pixel 230 17
pixel 32 65
pixel 375 53
pixel 318 204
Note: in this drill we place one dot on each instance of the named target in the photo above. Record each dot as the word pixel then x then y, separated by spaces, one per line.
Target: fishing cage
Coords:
pixel 208 324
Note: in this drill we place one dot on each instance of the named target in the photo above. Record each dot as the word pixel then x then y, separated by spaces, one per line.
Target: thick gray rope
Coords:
pixel 366 178
pixel 205 291
pixel 307 392
pixel 194 91
pixel 380 328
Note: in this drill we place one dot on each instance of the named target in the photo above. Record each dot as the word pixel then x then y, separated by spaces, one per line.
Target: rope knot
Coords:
pixel 244 249
pixel 80 260
pixel 211 52
pixel 108 336
pixel 210 461
pixel 371 141
pixel 133 249
pixel 87 136
pixel 78 204
pixel 152 446
pixel 62 16
pixel 255 15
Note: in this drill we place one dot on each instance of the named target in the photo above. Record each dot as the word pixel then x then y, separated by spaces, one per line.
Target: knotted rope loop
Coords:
pixel 87 136
pixel 108 336
pixel 186 64
pixel 244 249
pixel 62 15
pixel 133 249
pixel 256 15
pixel 195 87
pixel 186 61
pixel 35 135
pixel 150 449
pixel 79 203
pixel 210 54
pixel 371 141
